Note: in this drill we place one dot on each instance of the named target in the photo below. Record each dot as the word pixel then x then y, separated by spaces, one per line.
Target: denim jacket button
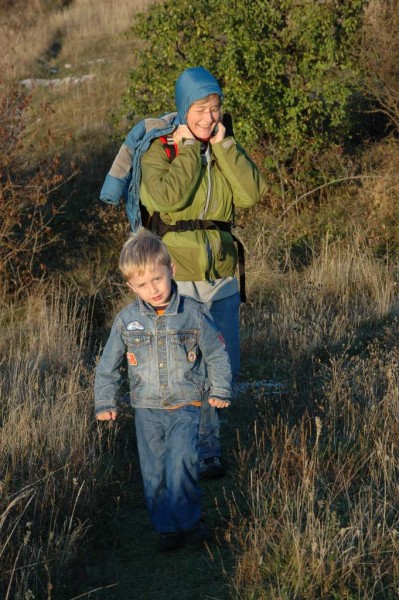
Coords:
pixel 161 365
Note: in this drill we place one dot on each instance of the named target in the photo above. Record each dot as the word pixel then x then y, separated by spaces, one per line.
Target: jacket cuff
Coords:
pixel 105 406
pixel 225 144
pixel 112 190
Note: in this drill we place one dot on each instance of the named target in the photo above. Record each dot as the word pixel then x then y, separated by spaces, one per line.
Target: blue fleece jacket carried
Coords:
pixel 123 179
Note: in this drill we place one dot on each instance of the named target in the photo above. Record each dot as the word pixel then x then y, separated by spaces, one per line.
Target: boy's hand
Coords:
pixel 109 415
pixel 218 403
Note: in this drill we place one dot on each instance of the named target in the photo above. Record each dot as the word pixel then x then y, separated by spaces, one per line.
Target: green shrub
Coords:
pixel 286 66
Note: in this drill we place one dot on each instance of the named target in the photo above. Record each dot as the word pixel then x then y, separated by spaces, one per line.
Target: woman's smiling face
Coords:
pixel 203 116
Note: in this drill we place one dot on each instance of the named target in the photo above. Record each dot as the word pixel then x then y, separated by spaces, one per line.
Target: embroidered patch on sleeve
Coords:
pixel 134 325
pixel 131 359
pixel 221 339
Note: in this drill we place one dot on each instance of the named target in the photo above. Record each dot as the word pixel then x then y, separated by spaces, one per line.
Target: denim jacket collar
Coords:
pixel 171 309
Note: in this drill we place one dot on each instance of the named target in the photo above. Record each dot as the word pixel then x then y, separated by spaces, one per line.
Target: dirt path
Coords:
pixel 139 570
pixel 130 566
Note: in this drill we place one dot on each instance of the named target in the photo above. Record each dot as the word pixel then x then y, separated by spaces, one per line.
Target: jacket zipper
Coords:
pixel 208 198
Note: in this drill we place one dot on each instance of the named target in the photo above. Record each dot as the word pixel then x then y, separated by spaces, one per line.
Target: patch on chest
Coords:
pixel 133 325
pixel 131 359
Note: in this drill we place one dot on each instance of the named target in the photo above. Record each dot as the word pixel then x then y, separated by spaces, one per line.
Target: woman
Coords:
pixel 195 195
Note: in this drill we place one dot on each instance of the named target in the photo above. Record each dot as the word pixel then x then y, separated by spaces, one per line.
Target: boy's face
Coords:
pixel 154 284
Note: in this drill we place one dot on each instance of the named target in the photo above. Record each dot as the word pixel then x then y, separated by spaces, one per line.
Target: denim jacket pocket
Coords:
pixel 184 346
pixel 138 348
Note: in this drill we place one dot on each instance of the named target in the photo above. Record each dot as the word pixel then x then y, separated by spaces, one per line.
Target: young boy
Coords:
pixel 176 361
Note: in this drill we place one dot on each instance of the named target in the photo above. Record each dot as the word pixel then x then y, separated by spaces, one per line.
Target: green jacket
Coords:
pixel 187 189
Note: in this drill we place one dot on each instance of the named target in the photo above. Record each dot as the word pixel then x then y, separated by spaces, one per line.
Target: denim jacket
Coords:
pixel 173 359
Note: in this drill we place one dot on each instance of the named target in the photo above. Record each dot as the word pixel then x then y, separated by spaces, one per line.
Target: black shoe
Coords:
pixel 198 534
pixel 171 541
pixel 210 468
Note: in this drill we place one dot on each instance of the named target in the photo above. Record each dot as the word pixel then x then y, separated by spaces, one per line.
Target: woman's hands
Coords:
pixel 220 133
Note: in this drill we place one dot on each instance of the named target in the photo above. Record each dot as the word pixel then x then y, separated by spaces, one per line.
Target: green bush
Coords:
pixel 286 67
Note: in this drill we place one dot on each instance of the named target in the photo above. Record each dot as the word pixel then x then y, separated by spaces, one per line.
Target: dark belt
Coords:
pixel 160 228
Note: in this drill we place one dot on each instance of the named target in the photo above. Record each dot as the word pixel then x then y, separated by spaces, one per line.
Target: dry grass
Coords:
pixel 299 311
pixel 316 516
pixel 81 29
pixel 49 458
pixel 86 38
pixel 319 516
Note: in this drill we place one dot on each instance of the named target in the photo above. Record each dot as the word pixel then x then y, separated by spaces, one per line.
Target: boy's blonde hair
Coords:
pixel 142 249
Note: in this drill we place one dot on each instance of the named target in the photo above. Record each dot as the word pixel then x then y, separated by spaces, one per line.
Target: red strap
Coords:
pixel 170 149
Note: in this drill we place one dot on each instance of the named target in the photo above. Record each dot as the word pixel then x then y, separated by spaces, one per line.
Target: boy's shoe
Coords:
pixel 171 541
pixel 210 468
pixel 199 533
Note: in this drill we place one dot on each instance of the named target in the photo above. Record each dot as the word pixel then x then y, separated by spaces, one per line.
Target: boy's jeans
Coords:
pixel 226 315
pixel 167 444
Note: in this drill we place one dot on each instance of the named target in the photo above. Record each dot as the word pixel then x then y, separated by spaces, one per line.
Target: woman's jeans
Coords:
pixel 167 444
pixel 226 314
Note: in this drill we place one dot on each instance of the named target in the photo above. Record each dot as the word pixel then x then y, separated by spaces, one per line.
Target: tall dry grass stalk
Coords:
pixel 50 455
